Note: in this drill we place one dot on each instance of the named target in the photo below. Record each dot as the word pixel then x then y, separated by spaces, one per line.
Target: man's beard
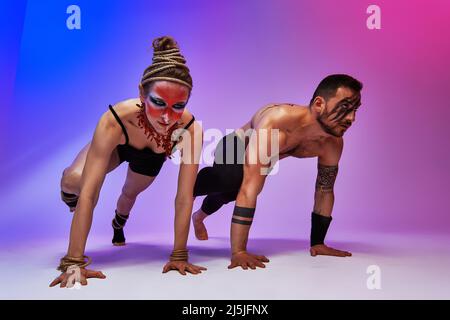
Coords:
pixel 327 128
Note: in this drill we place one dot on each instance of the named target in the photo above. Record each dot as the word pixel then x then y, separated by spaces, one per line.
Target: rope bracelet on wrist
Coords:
pixel 179 255
pixel 68 261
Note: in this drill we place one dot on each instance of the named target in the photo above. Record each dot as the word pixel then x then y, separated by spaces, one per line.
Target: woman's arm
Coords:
pixel 191 147
pixel 106 137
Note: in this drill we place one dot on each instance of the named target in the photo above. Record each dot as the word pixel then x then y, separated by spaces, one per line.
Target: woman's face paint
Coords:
pixel 341 116
pixel 165 104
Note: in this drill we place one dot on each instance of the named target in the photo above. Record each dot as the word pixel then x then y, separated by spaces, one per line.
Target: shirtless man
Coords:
pixel 316 130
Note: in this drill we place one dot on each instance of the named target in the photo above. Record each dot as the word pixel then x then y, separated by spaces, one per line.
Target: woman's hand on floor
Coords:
pixel 182 267
pixel 70 277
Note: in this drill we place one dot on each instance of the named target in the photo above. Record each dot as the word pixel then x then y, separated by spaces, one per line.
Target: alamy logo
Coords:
pixel 262 148
pixel 374 280
pixel 374 20
pixel 74 19
pixel 73 281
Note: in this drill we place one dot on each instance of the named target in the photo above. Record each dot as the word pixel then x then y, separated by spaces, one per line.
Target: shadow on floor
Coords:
pixel 278 246
pixel 135 253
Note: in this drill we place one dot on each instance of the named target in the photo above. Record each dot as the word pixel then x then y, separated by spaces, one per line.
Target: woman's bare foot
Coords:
pixel 200 230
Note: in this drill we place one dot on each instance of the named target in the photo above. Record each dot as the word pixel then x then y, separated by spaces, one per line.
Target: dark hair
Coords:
pixel 328 86
pixel 178 70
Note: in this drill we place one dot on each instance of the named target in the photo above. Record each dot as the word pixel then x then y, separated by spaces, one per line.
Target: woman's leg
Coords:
pixel 71 177
pixel 211 204
pixel 135 183
pixel 220 183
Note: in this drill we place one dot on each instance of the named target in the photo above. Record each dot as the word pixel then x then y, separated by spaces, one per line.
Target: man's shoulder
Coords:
pixel 280 116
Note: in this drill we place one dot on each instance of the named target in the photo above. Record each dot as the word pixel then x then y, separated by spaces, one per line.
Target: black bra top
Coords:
pixel 127 139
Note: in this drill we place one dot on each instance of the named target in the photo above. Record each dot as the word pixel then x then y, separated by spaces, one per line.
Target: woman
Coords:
pixel 144 132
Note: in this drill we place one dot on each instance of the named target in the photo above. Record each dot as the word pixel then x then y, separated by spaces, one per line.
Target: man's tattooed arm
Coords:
pixel 326 176
pixel 324 195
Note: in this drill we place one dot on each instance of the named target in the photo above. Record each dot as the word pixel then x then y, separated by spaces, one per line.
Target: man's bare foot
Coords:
pixel 200 230
pixel 323 250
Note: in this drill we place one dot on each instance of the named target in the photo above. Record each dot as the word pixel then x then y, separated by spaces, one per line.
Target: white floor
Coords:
pixel 411 267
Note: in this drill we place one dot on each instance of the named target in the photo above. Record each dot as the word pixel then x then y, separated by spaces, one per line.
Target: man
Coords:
pixel 316 130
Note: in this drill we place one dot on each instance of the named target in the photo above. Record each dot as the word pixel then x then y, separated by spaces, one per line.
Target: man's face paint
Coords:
pixel 340 112
pixel 165 104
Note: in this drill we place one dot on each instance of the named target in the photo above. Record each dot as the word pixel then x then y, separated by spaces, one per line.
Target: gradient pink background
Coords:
pixel 242 54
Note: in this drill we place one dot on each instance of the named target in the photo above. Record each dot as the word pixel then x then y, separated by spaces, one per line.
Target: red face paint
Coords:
pixel 165 114
pixel 165 104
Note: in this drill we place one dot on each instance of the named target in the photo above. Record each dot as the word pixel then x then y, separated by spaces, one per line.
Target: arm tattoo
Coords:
pixel 326 176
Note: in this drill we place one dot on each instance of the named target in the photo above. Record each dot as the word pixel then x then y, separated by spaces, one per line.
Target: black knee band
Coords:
pixel 119 221
pixel 70 199
pixel 319 228
pixel 244 213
